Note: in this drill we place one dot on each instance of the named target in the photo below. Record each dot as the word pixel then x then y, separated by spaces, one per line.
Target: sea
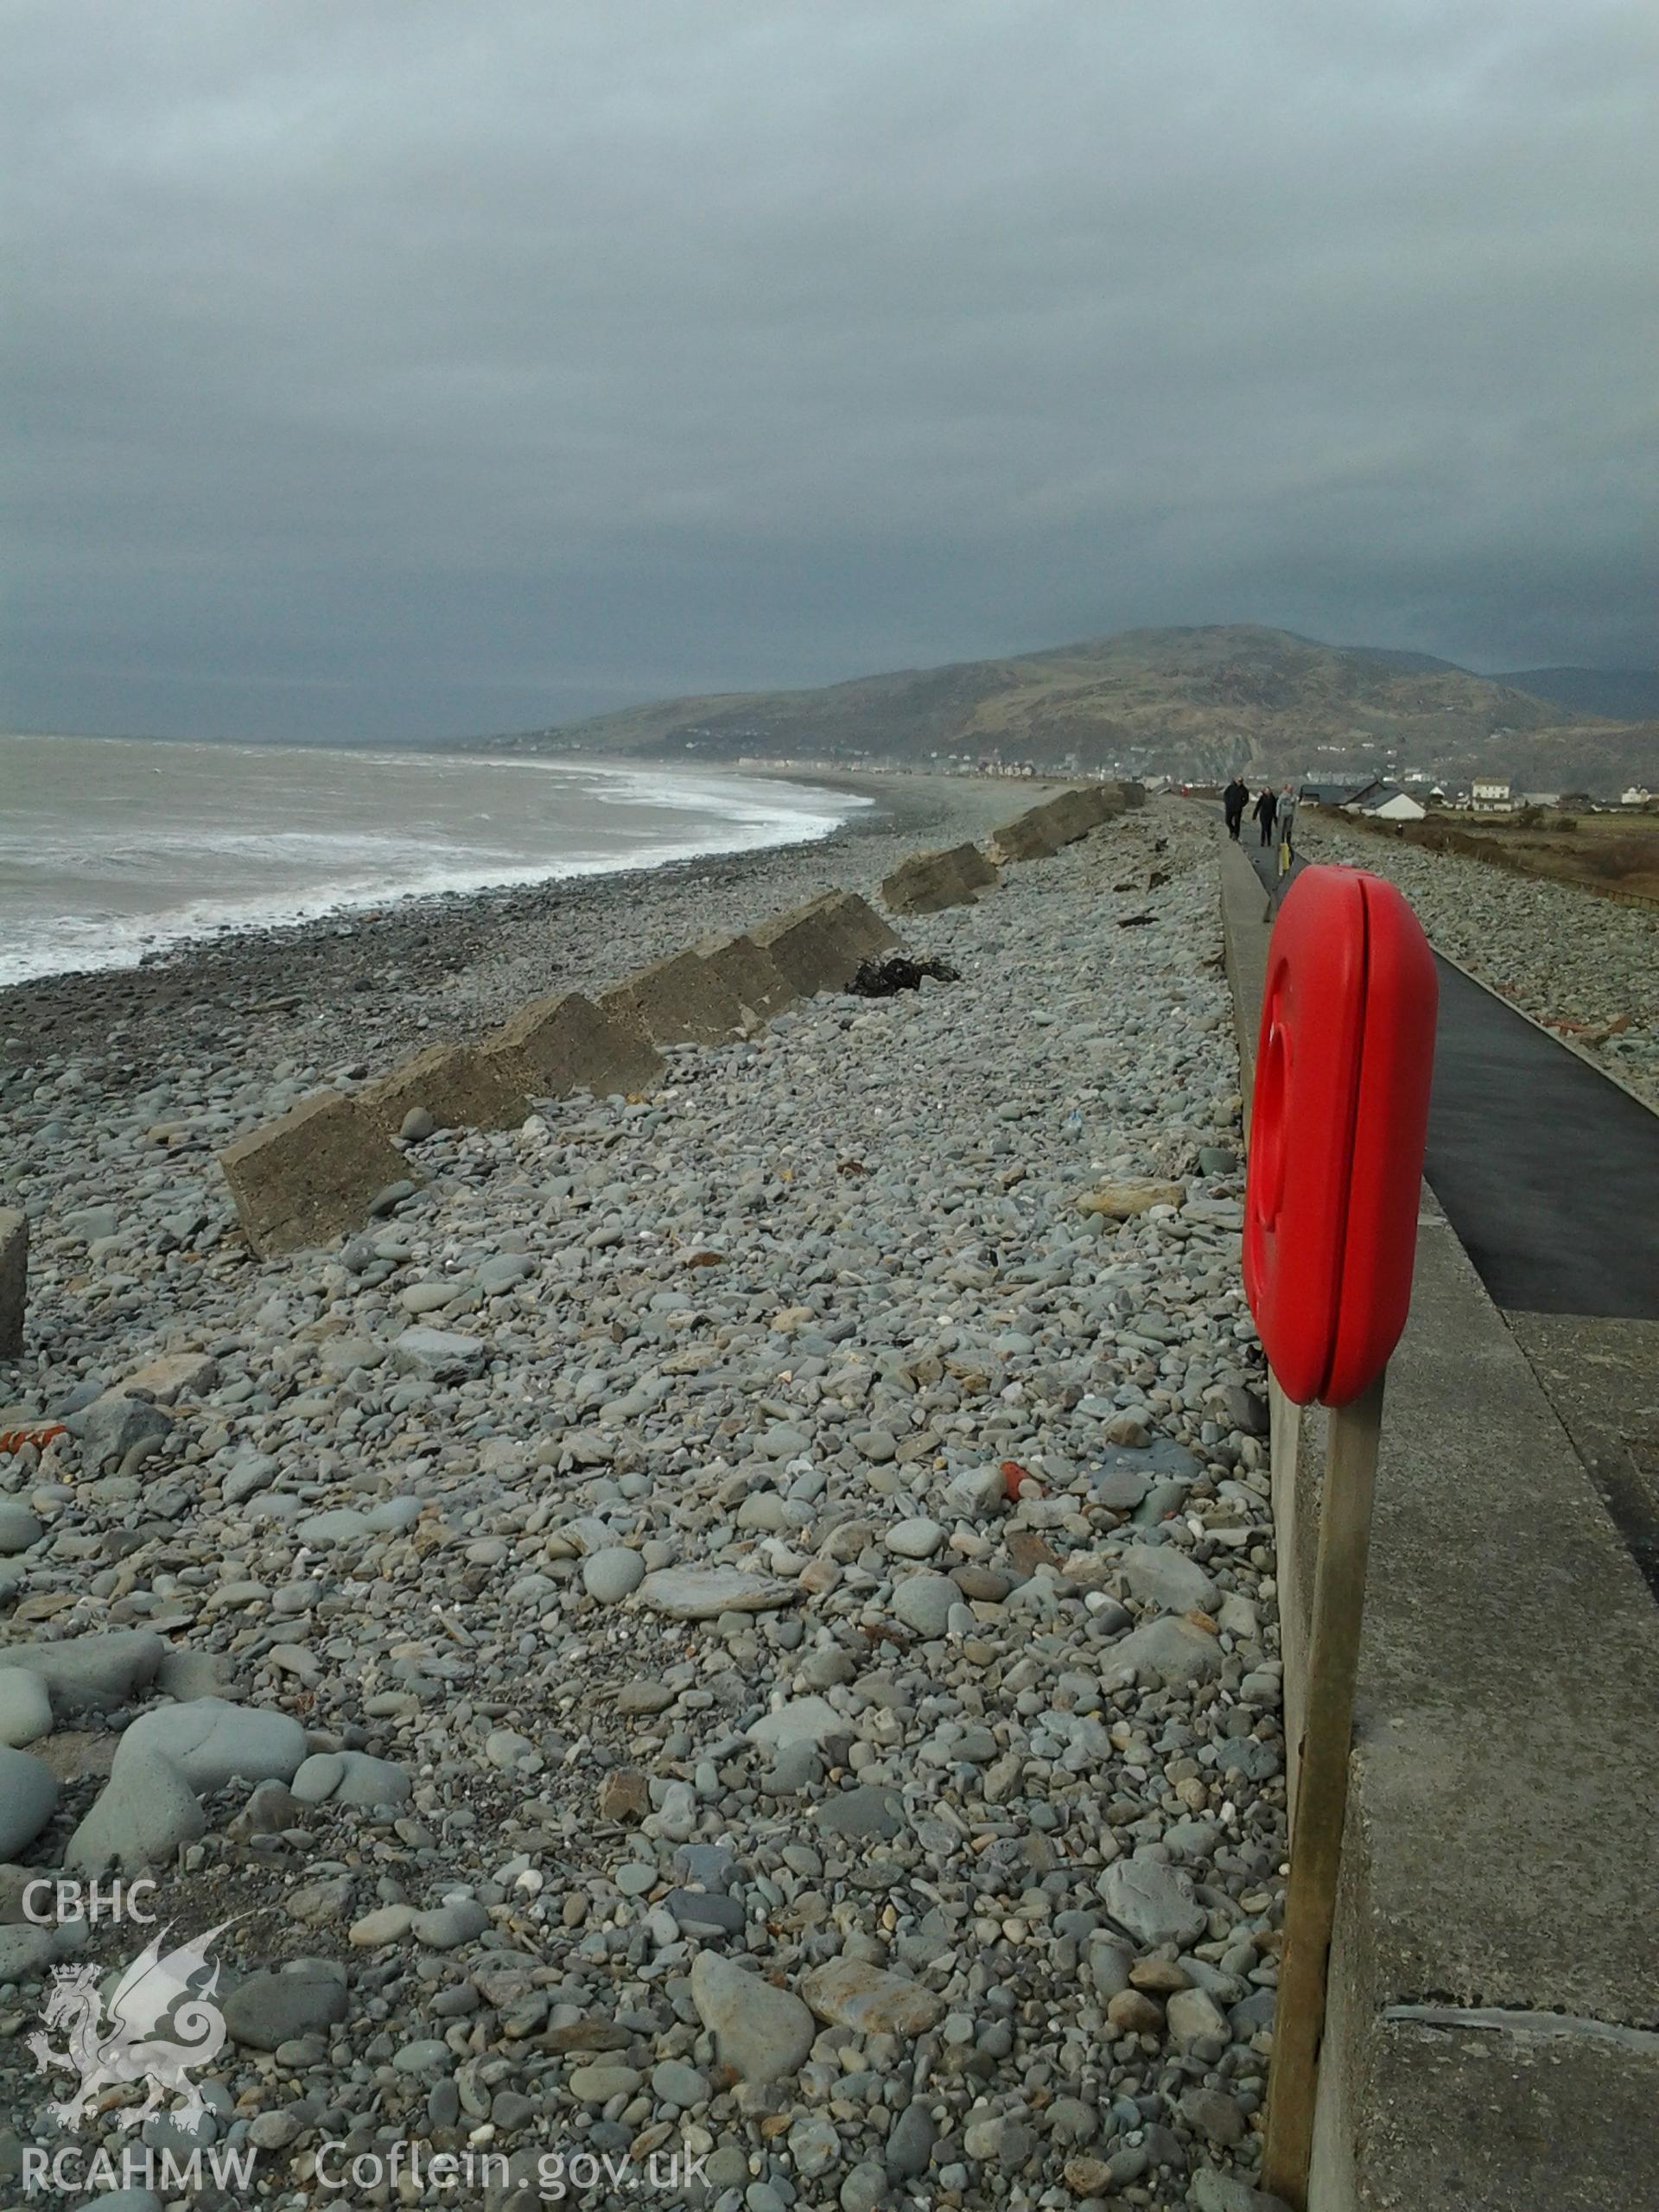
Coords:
pixel 113 848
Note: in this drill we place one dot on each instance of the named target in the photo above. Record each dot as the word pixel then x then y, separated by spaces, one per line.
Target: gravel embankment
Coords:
pixel 704 1754
pixel 1584 966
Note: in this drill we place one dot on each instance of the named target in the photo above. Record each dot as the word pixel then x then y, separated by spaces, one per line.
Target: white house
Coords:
pixel 1489 795
pixel 1637 795
pixel 1399 806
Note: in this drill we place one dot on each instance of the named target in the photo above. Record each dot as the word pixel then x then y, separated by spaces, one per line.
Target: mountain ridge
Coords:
pixel 1622 694
pixel 1192 702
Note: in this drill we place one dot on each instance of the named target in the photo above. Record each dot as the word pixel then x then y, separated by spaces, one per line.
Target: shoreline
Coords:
pixel 438 962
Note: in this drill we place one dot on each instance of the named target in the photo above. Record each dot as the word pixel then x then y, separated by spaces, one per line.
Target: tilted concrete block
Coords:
pixel 1070 815
pixel 861 926
pixel 310 1175
pixel 752 975
pixel 1041 831
pixel 1075 813
pixel 565 1042
pixel 927 882
pixel 460 1087
pixel 820 945
pixel 680 1000
pixel 14 1279
pixel 1028 837
pixel 1098 803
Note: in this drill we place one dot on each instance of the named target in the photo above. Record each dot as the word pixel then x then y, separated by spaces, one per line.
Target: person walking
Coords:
pixel 1286 828
pixel 1266 807
pixel 1234 800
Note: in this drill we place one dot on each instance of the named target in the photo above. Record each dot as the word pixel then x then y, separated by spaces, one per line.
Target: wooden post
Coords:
pixel 1321 1791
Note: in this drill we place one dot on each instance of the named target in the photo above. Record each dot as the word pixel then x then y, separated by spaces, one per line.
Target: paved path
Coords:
pixel 1549 1172
pixel 1549 1176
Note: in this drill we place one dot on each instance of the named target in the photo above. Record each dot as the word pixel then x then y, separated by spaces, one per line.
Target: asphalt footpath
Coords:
pixel 1548 1172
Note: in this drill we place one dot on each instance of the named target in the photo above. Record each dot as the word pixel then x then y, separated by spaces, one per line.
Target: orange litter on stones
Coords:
pixel 39 1432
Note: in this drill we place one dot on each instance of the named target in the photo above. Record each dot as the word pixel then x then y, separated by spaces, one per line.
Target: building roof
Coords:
pixel 1380 794
pixel 1332 794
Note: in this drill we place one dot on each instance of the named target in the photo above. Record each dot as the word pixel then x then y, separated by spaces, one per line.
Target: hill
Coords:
pixel 1187 702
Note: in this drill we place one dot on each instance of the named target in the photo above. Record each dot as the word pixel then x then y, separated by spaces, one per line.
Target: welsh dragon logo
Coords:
pixel 160 1996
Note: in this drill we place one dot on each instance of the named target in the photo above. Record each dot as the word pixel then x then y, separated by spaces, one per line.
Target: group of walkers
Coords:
pixel 1275 810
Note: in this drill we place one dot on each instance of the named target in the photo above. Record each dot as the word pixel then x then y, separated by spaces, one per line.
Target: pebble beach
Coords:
pixel 735 1627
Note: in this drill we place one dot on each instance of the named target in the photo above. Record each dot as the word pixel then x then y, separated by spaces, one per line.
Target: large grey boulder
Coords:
pixel 339 1525
pixel 297 1999
pixel 1159 1575
pixel 871 1810
pixel 612 1574
pixel 761 2032
pixel 143 1813
pixel 91 1674
pixel 870 2001
pixel 923 1603
pixel 111 1425
pixel 25 1953
pixel 25 1707
pixel 211 1743
pixel 438 1355
pixel 28 1797
pixel 803 1720
pixel 351 1778
pixel 701 1593
pixel 1154 1902
pixel 19 1528
pixel 173 1376
pixel 1170 1651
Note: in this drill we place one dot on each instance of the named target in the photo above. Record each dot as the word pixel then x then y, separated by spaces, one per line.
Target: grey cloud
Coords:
pixel 426 367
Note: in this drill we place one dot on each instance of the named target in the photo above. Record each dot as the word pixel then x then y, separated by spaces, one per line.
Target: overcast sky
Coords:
pixel 413 366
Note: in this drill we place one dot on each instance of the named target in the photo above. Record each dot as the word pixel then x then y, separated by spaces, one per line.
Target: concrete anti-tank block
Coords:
pixel 1098 803
pixel 927 882
pixel 1028 837
pixel 752 975
pixel 819 945
pixel 1074 813
pixel 1070 815
pixel 310 1175
pixel 14 1279
pixel 680 1000
pixel 1040 833
pixel 565 1042
pixel 861 926
pixel 460 1087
